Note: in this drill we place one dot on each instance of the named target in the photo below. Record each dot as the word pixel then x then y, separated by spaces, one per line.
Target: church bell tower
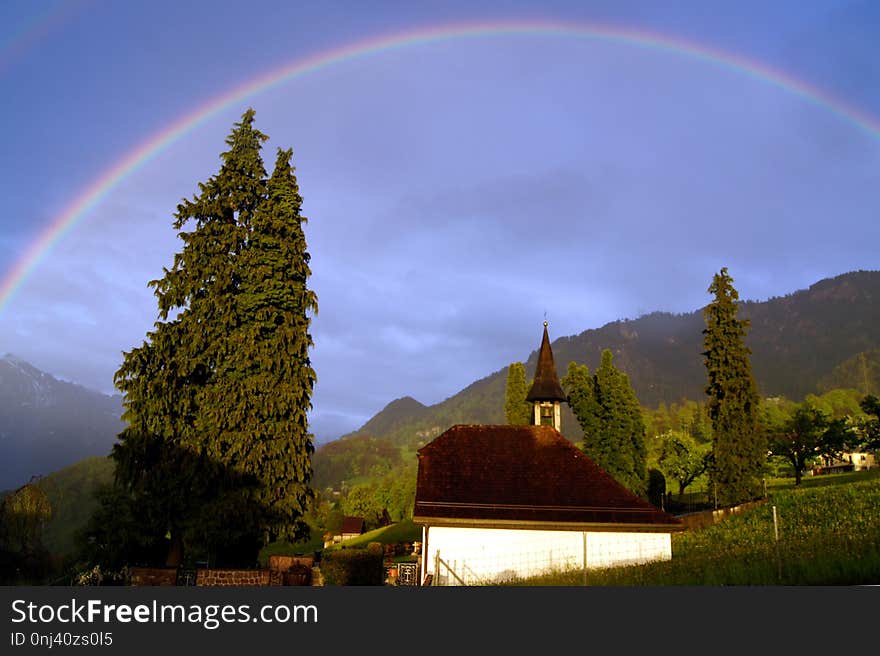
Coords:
pixel 546 393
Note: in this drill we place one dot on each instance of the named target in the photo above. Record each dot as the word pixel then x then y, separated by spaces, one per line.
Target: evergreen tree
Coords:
pixel 517 411
pixel 580 389
pixel 622 426
pixel 217 396
pixel 610 415
pixel 739 448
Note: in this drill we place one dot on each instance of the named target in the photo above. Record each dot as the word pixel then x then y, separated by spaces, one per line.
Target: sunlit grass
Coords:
pixel 829 534
pixel 404 531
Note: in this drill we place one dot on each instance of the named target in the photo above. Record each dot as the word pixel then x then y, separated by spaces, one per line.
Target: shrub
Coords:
pixel 656 487
pixel 354 566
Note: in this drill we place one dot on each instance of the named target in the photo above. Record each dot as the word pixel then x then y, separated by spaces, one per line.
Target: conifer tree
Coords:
pixel 579 387
pixel 217 396
pixel 738 449
pixel 610 415
pixel 517 411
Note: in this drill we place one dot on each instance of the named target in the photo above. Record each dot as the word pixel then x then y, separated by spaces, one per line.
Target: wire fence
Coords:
pixel 811 540
pixel 495 557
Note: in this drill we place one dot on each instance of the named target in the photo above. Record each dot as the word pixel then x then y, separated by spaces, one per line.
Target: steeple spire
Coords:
pixel 546 392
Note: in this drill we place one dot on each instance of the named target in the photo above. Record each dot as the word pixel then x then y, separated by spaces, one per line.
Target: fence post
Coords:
pixel 776 539
pixel 585 558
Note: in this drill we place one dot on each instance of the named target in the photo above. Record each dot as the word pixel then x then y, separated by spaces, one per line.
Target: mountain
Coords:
pixel 47 424
pixel 398 413
pixel 799 342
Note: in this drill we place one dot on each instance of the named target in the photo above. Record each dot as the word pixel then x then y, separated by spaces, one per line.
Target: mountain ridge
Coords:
pixel 799 342
pixel 796 341
pixel 47 423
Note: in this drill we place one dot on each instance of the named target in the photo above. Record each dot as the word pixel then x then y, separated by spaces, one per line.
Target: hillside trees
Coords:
pixel 870 426
pixel 357 456
pixel 610 415
pixel 682 458
pixel 395 493
pixel 804 434
pixel 517 411
pixel 739 448
pixel 23 516
pixel 217 446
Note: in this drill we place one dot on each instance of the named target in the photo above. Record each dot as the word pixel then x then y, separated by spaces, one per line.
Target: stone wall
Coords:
pixel 283 570
pixel 147 576
pixel 284 563
pixel 238 577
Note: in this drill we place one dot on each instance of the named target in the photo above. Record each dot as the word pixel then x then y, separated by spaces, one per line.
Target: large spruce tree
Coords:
pixel 217 449
pixel 517 411
pixel 739 449
pixel 580 388
pixel 610 415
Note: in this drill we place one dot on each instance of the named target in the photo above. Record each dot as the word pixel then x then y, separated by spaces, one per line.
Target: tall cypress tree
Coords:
pixel 739 450
pixel 517 411
pixel 217 445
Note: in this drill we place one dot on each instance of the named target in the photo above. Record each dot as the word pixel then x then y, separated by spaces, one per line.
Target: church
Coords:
pixel 498 503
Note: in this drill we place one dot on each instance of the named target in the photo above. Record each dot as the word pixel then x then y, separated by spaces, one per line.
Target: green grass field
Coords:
pixel 404 531
pixel 829 534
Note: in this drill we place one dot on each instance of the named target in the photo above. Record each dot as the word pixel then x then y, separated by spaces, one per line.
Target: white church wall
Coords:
pixel 475 556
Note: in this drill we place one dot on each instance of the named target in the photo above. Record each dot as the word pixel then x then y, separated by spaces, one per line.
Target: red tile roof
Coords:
pixel 352 525
pixel 523 476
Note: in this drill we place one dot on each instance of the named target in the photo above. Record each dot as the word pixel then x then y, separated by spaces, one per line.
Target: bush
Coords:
pixel 354 566
pixel 656 487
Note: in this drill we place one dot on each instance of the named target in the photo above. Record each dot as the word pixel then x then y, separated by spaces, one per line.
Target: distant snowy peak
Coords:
pixel 23 384
pixel 47 424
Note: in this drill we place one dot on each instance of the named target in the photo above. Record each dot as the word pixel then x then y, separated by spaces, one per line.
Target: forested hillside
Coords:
pixel 808 341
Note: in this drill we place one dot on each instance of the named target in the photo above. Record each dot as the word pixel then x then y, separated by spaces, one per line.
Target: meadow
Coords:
pixel 828 534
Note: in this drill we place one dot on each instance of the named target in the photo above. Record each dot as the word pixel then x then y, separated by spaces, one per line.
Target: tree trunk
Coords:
pixel 175 551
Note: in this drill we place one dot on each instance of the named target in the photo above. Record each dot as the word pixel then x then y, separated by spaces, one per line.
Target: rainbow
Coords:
pixel 37 29
pixel 92 196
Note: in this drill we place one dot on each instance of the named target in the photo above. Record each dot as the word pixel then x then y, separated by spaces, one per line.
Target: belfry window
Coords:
pixel 546 414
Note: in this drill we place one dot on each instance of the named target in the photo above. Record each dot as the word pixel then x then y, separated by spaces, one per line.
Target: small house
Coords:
pixel 352 527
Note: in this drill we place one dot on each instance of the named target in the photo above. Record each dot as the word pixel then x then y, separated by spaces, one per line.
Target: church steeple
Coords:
pixel 546 393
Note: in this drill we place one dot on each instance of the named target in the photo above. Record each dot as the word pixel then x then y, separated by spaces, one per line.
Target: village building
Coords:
pixel 352 527
pixel 847 462
pixel 503 502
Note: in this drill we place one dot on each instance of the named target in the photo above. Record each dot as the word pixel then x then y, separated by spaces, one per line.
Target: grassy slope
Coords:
pixel 405 531
pixel 71 493
pixel 829 534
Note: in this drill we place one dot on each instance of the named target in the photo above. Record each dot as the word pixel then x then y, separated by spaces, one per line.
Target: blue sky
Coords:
pixel 456 190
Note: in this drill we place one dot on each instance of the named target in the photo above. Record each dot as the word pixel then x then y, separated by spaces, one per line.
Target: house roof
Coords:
pixel 523 476
pixel 352 525
pixel 546 386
